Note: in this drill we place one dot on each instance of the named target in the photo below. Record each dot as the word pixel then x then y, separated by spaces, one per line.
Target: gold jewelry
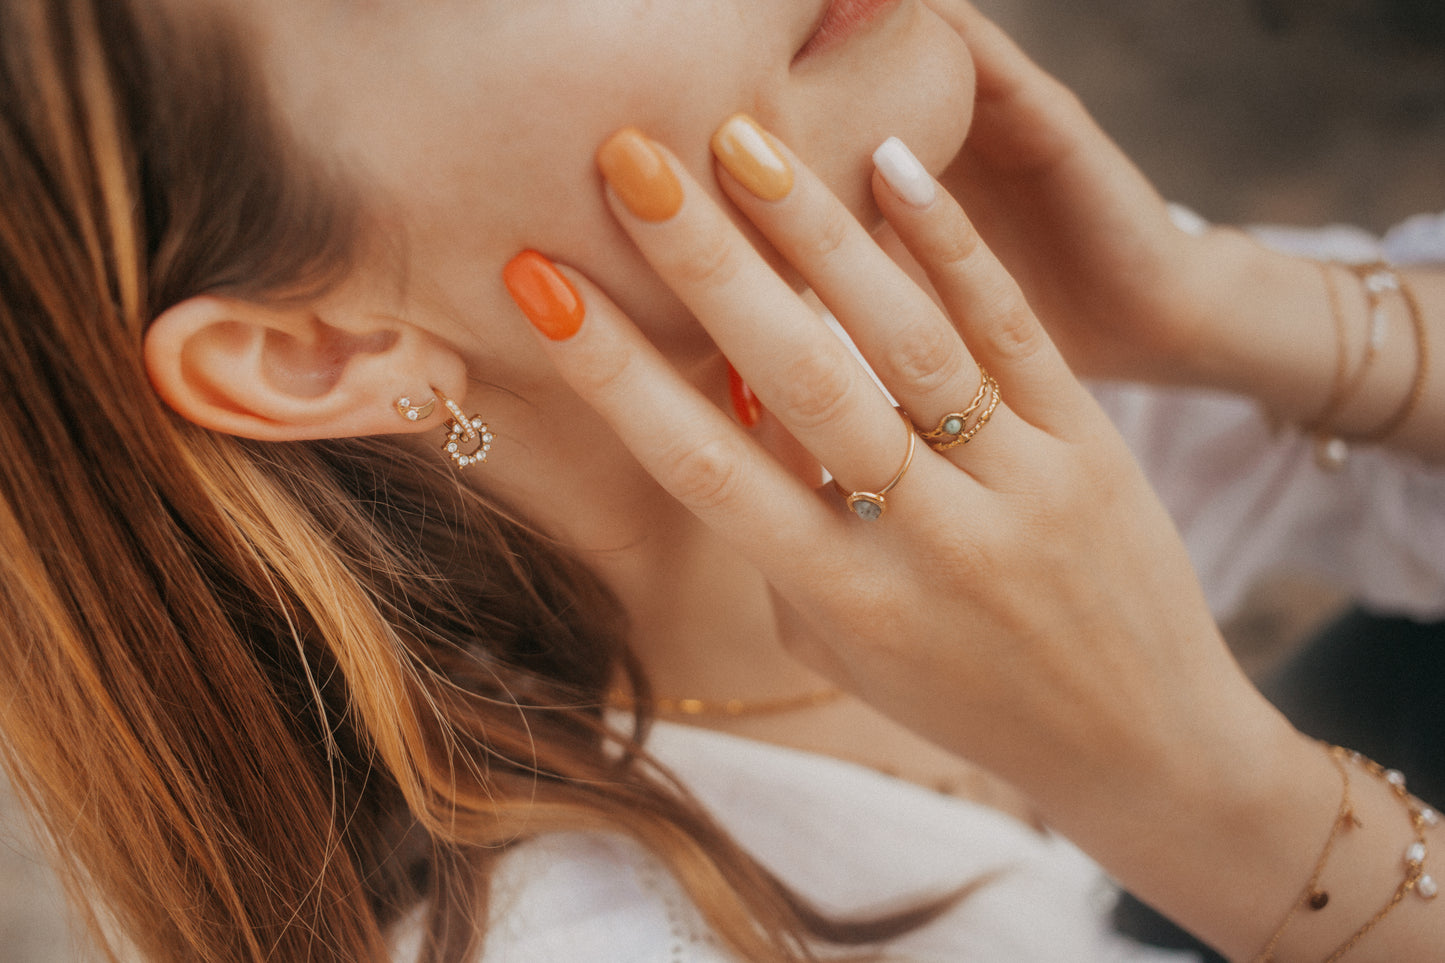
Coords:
pixel 954 426
pixel 731 708
pixel 412 412
pixel 1378 280
pixel 1331 452
pixel 1415 878
pixel 463 430
pixel 870 506
pixel 1332 449
pixel 1422 364
pixel 1312 896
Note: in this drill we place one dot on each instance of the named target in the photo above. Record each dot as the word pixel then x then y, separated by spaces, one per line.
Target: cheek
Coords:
pixel 463 223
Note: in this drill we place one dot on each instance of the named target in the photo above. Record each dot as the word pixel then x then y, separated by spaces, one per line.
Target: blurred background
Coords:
pixel 1284 111
pixel 1302 112
pixel 1298 112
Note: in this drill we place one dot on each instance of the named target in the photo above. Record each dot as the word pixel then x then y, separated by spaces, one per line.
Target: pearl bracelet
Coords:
pixel 1415 879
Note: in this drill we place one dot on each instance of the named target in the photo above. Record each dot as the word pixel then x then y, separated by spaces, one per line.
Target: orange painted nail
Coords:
pixel 640 175
pixel 745 404
pixel 545 295
pixel 748 153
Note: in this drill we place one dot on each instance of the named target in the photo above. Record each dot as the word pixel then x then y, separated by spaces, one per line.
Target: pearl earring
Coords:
pixel 412 412
pixel 462 430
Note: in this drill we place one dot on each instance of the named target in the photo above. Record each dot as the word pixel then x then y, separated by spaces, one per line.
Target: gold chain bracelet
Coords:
pixel 1415 879
pixel 1377 281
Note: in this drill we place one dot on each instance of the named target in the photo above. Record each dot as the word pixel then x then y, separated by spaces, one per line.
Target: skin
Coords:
pixel 1025 604
pixel 467 159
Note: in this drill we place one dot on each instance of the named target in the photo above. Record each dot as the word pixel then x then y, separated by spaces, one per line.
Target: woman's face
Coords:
pixel 472 124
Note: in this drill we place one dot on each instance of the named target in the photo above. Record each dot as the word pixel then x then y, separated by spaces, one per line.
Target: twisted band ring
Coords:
pixel 954 428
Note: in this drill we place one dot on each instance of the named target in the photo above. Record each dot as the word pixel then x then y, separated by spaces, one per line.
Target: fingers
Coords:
pixel 693 451
pixel 911 345
pixel 808 380
pixel 800 371
pixel 915 348
pixel 978 292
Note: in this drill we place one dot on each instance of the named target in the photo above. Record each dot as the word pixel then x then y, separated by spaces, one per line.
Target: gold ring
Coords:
pixel 954 428
pixel 870 506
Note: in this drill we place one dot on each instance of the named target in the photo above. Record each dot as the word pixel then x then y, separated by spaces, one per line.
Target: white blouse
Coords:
pixel 856 842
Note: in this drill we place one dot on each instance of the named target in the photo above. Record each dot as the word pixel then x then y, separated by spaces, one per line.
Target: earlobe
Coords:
pixel 285 373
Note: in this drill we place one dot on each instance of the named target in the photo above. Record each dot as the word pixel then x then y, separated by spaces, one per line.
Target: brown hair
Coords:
pixel 271 697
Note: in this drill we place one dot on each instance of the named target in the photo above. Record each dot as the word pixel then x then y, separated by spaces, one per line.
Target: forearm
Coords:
pixel 1295 336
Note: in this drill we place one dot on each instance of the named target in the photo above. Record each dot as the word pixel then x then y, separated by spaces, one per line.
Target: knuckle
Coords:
pixel 607 370
pixel 708 262
pixel 813 389
pixel 956 249
pixel 1009 328
pixel 926 357
pixel 831 235
pixel 1016 334
pixel 708 475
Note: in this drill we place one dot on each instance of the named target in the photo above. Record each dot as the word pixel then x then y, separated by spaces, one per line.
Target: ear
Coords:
pixel 286 374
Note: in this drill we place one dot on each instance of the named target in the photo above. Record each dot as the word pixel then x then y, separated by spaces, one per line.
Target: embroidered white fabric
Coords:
pixel 856 841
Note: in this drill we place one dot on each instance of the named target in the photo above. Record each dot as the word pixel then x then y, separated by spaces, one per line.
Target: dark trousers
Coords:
pixel 1372 684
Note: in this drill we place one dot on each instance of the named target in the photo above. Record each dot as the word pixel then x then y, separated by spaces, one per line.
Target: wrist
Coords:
pixel 1262 326
pixel 1223 831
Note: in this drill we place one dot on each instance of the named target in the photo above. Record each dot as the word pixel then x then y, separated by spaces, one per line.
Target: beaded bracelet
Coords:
pixel 1415 878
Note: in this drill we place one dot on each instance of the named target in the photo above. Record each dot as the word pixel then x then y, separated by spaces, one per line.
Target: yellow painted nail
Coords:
pixel 746 152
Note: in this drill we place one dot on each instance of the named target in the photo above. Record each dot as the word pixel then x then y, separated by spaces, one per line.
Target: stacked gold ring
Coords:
pixel 960 427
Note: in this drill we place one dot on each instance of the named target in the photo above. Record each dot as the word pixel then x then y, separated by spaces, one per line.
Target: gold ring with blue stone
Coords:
pixel 953 428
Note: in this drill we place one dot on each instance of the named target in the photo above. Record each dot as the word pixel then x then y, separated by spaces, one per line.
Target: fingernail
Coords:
pixel 545 295
pixel 902 172
pixel 639 175
pixel 745 404
pixel 747 153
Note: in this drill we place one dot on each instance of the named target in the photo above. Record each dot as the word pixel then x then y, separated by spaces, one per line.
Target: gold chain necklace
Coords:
pixel 731 708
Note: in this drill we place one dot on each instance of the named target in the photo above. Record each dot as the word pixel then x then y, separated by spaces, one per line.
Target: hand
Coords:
pixel 1123 292
pixel 1024 600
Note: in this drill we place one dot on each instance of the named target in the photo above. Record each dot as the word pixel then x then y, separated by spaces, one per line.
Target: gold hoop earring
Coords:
pixel 463 430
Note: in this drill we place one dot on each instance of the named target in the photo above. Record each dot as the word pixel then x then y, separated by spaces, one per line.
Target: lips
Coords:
pixel 841 20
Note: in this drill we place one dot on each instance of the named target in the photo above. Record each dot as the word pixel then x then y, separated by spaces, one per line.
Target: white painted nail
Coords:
pixel 902 171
